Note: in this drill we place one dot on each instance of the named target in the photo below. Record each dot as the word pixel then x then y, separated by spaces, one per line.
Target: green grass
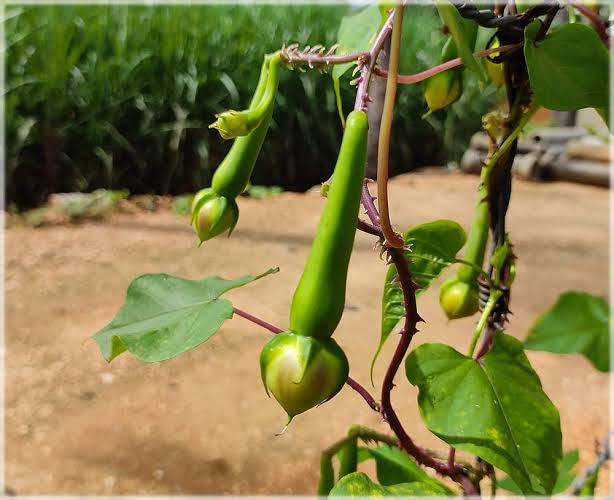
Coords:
pixel 120 97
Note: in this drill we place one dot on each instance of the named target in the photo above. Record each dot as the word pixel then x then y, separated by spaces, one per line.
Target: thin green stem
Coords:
pixel 383 153
pixel 490 305
pixel 510 140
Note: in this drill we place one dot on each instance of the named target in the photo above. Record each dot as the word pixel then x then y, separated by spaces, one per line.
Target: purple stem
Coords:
pixel 362 92
pixel 350 381
pixel 258 321
pixel 409 330
pixel 369 228
pixel 452 63
pixel 367 203
pixel 364 393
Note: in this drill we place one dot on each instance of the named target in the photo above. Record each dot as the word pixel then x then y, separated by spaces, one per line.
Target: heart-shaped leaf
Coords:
pixel 164 316
pixel 495 408
pixel 569 69
pixel 578 323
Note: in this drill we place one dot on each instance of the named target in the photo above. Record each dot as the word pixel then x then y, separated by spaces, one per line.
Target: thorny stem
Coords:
pixel 383 147
pixel 350 381
pixel 487 168
pixel 362 92
pixel 454 471
pixel 594 18
pixel 295 57
pixel 422 456
pixel 452 63
pixel 367 202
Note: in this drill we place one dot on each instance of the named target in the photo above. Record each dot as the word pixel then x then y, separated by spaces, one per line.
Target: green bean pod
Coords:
pixel 445 88
pixel 233 174
pixel 319 299
pixel 459 295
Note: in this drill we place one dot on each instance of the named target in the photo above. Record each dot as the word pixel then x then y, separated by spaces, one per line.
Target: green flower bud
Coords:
pixel 302 372
pixel 213 214
pixel 231 124
pixel 459 299
pixel 442 90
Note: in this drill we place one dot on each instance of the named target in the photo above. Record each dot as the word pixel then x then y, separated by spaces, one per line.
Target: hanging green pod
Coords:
pixel 233 174
pixel 459 295
pixel 445 88
pixel 319 299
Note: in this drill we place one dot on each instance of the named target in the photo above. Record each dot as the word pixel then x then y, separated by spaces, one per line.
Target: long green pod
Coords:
pixel 459 295
pixel 233 174
pixel 319 299
pixel 475 247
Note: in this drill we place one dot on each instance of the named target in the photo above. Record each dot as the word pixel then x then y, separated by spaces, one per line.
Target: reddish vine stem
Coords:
pixel 452 63
pixel 594 18
pixel 294 57
pixel 258 321
pixel 362 92
pixel 364 393
pixel 412 317
pixel 369 228
pixel 367 202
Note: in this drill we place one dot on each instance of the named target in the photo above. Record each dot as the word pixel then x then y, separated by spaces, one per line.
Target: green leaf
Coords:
pixel 577 323
pixel 569 69
pixel 434 246
pixel 495 409
pixel 358 484
pixel 356 32
pixel 394 466
pixel 453 20
pixel 565 478
pixel 164 316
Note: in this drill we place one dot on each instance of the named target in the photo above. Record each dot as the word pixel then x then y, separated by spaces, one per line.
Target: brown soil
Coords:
pixel 201 423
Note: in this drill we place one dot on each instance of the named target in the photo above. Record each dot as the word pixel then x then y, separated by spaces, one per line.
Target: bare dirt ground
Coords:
pixel 201 423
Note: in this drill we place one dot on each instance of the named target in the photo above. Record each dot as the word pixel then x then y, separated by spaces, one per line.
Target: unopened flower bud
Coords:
pixel 231 124
pixel 302 372
pixel 213 214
